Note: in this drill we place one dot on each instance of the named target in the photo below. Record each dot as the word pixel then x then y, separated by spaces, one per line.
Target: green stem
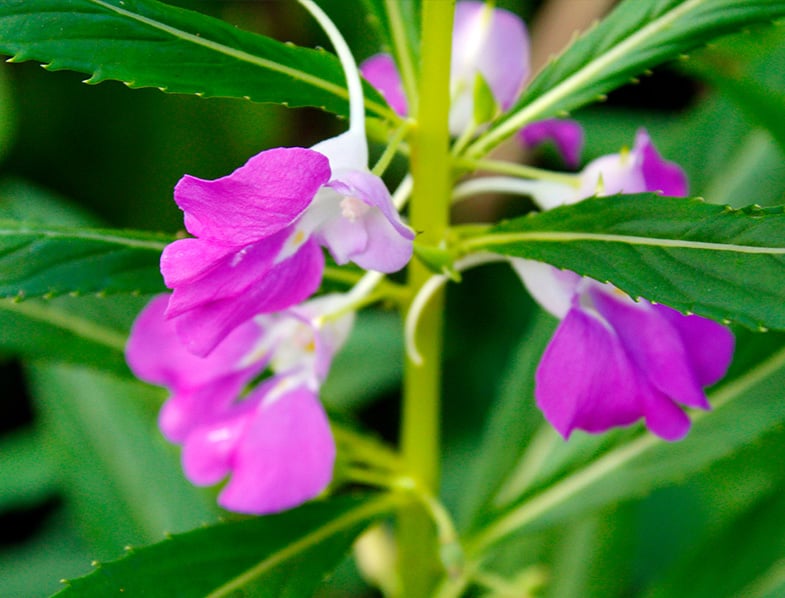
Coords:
pixel 429 215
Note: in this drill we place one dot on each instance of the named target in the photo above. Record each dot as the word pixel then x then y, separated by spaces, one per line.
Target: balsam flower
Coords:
pixel 491 43
pixel 258 231
pixel 274 443
pixel 613 360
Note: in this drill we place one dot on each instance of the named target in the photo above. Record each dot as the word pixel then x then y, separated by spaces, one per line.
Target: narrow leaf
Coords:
pixel 638 35
pixel 696 257
pixel 278 555
pixel 42 260
pixel 145 43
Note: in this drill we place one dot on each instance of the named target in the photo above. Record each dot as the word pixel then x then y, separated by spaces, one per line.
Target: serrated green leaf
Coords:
pixel 42 260
pixel 636 36
pixel 696 257
pixel 145 43
pixel 283 555
pixel 743 411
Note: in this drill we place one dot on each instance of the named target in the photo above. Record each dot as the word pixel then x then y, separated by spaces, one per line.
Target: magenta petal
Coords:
pixel 660 175
pixel 585 380
pixel 654 345
pixel 231 276
pixel 201 386
pixel 188 260
pixel 709 345
pixel 258 199
pixel 208 451
pixel 566 134
pixel 155 353
pixel 192 407
pixel 664 418
pixel 285 457
pixel 287 283
pixel 381 72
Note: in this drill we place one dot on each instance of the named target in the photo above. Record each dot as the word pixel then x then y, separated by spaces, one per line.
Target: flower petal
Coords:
pixel 230 276
pixel 585 380
pixel 258 199
pixel 653 344
pixel 188 260
pixel 284 458
pixel 286 283
pixel 566 134
pixel 381 72
pixel 386 241
pixel 155 353
pixel 663 417
pixel 659 175
pixel 494 43
pixel 208 451
pixel 709 345
pixel 552 288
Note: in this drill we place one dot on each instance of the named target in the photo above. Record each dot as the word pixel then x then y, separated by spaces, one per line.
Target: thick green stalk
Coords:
pixel 429 216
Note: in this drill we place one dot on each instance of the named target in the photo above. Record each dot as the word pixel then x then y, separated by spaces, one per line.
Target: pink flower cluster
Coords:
pixel 236 310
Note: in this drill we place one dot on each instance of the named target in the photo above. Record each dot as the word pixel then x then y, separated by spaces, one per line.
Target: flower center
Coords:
pixel 353 208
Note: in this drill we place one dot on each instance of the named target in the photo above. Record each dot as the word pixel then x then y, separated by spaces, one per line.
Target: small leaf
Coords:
pixel 636 36
pixel 714 261
pixel 42 260
pixel 283 555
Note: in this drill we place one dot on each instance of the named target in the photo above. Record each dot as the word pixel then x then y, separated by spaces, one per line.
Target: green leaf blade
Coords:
pixel 696 257
pixel 638 35
pixel 41 260
pixel 278 555
pixel 144 43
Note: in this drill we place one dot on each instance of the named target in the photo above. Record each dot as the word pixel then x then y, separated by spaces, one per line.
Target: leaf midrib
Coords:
pixel 488 241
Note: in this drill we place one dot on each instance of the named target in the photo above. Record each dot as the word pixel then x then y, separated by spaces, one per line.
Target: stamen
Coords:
pixel 353 208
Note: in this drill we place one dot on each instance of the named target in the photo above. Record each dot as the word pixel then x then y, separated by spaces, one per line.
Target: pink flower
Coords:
pixel 275 443
pixel 258 233
pixel 613 360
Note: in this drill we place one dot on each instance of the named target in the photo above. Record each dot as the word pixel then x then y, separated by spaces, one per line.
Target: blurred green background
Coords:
pixel 83 470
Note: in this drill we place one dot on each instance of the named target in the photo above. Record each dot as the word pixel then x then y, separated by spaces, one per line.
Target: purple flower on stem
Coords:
pixel 491 43
pixel 258 233
pixel 613 360
pixel 275 443
pixel 235 267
